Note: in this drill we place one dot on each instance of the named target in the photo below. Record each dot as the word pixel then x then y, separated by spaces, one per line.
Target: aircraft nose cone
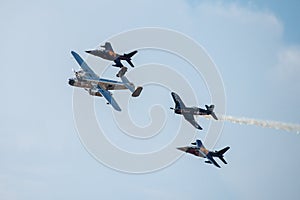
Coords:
pixel 71 81
pixel 181 149
pixel 88 51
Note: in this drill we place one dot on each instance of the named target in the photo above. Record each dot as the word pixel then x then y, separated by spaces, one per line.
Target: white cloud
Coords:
pixel 288 67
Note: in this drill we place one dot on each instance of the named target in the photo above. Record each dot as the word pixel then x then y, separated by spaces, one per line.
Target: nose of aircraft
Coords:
pixel 71 81
pixel 181 149
pixel 88 51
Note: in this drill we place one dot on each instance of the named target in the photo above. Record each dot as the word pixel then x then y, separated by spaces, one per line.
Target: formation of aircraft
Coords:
pixel 109 54
pixel 199 150
pixel 96 86
pixel 87 79
pixel 189 112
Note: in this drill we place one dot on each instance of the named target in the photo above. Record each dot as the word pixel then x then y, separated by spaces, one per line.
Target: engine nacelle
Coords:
pixel 78 83
pixel 95 93
pixel 71 81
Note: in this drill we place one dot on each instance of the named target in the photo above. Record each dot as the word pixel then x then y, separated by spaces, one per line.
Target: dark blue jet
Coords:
pixel 200 151
pixel 189 112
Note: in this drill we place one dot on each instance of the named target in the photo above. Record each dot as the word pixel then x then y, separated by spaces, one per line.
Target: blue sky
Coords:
pixel 255 46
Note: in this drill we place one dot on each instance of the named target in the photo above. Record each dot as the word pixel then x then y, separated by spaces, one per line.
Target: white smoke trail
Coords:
pixel 262 123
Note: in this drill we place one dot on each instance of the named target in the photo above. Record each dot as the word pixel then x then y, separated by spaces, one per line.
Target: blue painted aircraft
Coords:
pixel 96 86
pixel 200 151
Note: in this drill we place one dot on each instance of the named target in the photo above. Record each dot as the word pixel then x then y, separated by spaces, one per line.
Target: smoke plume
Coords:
pixel 262 123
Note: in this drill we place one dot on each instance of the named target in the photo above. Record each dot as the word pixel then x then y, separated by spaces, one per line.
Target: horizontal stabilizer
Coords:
pixel 129 55
pixel 127 84
pixel 214 116
pixel 223 160
pixel 221 152
pixel 130 63
pixel 135 92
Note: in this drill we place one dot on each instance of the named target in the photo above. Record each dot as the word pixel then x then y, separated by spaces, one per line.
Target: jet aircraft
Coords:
pixel 200 151
pixel 189 112
pixel 96 86
pixel 109 54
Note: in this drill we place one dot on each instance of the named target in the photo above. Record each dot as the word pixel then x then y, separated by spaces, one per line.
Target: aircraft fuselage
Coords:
pixel 90 85
pixel 193 111
pixel 200 152
pixel 105 54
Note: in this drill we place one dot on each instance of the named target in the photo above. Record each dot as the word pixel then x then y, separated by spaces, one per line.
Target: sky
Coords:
pixel 255 46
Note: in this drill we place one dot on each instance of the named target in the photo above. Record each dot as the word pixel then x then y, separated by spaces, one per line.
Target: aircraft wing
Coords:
pixel 178 102
pixel 107 95
pixel 190 118
pixel 190 150
pixel 118 63
pixel 212 160
pixel 88 71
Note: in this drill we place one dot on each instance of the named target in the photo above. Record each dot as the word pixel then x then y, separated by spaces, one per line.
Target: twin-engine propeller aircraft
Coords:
pixel 201 151
pixel 109 54
pixel 96 86
pixel 189 112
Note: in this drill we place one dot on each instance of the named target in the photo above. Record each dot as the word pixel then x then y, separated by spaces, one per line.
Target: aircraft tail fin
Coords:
pixel 210 109
pixel 178 102
pixel 107 46
pixel 220 154
pixel 198 143
pixel 137 92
